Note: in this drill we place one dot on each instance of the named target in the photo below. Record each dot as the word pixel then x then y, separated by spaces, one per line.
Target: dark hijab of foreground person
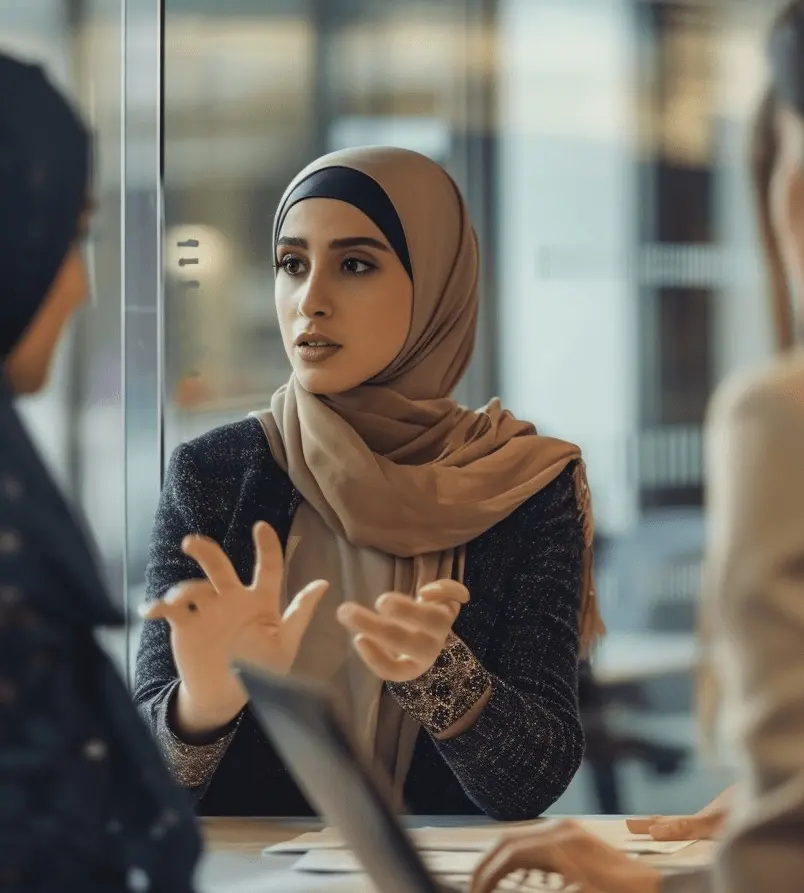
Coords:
pixel 105 816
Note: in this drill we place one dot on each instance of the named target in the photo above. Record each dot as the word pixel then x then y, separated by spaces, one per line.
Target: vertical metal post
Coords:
pixel 142 283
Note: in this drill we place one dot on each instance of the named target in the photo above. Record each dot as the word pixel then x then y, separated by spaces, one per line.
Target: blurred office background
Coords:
pixel 602 145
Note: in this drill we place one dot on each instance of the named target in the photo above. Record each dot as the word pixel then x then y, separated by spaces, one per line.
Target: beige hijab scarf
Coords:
pixel 395 477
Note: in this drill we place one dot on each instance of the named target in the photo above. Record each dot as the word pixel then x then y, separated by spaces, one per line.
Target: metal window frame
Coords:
pixel 142 272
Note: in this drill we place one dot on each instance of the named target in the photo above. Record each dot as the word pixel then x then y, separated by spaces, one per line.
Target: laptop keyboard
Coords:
pixel 534 882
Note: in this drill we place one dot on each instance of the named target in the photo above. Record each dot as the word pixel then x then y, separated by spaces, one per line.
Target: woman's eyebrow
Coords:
pixel 356 241
pixel 349 242
pixel 292 240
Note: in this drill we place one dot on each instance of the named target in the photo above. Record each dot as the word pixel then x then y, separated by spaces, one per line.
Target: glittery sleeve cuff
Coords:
pixel 192 765
pixel 447 691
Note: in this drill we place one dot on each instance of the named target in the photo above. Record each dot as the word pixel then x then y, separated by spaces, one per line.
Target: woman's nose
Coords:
pixel 314 302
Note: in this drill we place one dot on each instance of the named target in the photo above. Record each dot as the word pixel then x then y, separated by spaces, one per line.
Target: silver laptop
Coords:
pixel 301 721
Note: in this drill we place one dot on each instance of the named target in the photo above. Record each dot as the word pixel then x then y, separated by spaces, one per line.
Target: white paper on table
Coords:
pixel 478 839
pixel 451 867
pixel 616 834
pixel 327 839
pixel 339 861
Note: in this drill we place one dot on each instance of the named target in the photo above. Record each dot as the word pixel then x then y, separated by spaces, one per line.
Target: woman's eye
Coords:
pixel 291 264
pixel 358 267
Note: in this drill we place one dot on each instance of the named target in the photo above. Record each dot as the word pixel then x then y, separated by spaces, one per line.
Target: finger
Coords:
pixel 392 635
pixel 389 667
pixel 269 561
pixel 592 863
pixel 449 595
pixel 430 615
pixel 212 560
pixel 508 857
pixel 180 602
pixel 712 824
pixel 643 824
pixel 562 847
pixel 680 829
pixel 299 613
pixel 444 590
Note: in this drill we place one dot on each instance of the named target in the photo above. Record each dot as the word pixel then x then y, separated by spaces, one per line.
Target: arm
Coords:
pixel 45 720
pixel 756 584
pixel 185 506
pixel 527 743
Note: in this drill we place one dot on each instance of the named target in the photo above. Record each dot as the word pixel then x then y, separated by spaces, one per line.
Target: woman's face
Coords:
pixel 28 365
pixel 343 298
pixel 787 199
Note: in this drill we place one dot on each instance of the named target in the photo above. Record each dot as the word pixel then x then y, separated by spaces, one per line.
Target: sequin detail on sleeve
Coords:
pixel 192 765
pixel 447 691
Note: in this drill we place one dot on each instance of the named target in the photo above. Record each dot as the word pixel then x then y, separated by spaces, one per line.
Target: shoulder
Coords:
pixel 778 386
pixel 555 502
pixel 226 454
pixel 215 467
pixel 238 444
pixel 542 520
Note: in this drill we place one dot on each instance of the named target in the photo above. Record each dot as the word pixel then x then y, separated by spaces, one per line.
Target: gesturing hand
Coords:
pixel 565 848
pixel 402 638
pixel 220 618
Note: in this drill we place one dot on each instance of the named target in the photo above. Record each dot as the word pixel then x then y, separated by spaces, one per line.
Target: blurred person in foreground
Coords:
pixel 755 576
pixel 85 802
pixel 770 172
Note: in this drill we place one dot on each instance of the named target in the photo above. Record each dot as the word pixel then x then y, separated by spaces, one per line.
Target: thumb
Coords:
pixel 155 610
pixel 300 611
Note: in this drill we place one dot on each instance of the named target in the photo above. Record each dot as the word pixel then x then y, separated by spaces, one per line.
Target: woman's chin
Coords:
pixel 321 382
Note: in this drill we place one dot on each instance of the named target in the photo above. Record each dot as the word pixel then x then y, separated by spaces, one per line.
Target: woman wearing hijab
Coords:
pixel 754 608
pixel 391 511
pixel 85 803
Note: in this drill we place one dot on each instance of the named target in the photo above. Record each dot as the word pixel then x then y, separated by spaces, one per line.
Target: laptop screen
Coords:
pixel 301 722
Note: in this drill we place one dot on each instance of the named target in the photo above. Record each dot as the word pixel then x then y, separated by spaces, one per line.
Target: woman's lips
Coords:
pixel 311 353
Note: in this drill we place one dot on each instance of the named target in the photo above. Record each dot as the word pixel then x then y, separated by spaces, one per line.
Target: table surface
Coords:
pixel 234 864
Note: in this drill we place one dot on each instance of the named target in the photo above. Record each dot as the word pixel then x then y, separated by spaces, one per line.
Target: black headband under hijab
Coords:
pixel 786 56
pixel 44 181
pixel 355 188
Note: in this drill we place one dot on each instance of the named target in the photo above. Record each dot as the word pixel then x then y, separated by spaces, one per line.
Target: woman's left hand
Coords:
pixel 564 848
pixel 402 638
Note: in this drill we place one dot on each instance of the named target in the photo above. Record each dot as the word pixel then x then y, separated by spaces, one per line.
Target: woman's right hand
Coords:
pixel 218 619
pixel 703 825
